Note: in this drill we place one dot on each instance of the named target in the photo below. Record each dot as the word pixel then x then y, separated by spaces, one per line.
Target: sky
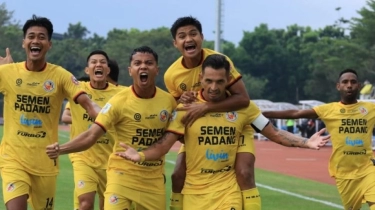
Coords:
pixel 101 16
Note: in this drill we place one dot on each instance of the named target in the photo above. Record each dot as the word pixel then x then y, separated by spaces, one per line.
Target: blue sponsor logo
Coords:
pixel 220 156
pixel 353 142
pixel 35 122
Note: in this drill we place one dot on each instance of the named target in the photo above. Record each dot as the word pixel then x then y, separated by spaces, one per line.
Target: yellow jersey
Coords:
pixel 350 127
pixel 139 123
pixel 32 104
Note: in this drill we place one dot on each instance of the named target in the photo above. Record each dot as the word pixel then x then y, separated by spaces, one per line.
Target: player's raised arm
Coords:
pixel 80 143
pixel 154 152
pixel 92 108
pixel 291 114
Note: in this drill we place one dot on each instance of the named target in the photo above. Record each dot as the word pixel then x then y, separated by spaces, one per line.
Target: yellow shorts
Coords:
pixel 246 143
pixel 87 179
pixel 354 191
pixel 41 189
pixel 118 197
pixel 228 199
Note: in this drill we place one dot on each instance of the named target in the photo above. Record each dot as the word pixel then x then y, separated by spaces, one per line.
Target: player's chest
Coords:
pixel 189 80
pixel 23 86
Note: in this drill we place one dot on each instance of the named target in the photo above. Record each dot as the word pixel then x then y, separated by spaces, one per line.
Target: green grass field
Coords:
pixel 278 192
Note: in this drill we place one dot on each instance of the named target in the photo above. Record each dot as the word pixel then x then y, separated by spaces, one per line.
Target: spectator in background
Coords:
pixel 290 125
pixel 310 128
pixel 366 90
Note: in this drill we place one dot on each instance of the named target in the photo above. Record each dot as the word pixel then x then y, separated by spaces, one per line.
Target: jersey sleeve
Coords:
pixel 321 110
pixel 4 70
pixel 175 125
pixel 169 84
pixel 71 86
pixel 257 120
pixel 235 75
pixel 107 116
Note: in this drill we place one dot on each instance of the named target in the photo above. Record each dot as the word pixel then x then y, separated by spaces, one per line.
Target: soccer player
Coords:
pixel 112 78
pixel 34 91
pixel 350 123
pixel 139 115
pixel 212 141
pixel 90 165
pixel 182 80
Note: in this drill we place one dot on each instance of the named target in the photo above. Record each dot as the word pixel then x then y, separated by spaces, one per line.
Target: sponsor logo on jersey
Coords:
pixel 40 134
pixel 34 122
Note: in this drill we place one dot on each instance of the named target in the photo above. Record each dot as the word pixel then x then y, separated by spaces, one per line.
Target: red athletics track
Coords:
pixel 302 163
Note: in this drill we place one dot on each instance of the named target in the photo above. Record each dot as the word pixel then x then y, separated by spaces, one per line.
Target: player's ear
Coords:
pixel 174 43
pixel 200 76
pixel 130 71
pixel 23 43
pixel 87 70
pixel 338 86
pixel 50 45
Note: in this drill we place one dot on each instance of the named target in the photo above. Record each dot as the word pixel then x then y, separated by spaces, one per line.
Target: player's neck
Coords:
pixel 144 92
pixel 348 101
pixel 100 85
pixel 35 65
pixel 190 63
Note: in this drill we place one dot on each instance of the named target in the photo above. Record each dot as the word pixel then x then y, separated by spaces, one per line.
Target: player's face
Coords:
pixel 188 41
pixel 97 68
pixel 214 82
pixel 143 69
pixel 36 43
pixel 348 86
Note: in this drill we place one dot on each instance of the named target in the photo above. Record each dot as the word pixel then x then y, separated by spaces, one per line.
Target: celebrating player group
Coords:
pixel 120 135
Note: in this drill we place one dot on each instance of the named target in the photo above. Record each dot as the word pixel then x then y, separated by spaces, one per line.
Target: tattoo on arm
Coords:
pixel 161 140
pixel 289 139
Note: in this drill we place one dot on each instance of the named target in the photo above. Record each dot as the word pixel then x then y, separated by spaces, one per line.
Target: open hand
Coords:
pixel 129 154
pixel 317 140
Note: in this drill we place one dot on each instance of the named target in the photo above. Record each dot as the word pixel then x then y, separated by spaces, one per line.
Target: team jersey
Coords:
pixel 97 155
pixel 211 145
pixel 138 123
pixel 179 79
pixel 350 127
pixel 32 104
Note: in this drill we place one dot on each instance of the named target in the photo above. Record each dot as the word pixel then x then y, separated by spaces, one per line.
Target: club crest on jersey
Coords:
pixel 363 110
pixel 163 116
pixel 11 187
pixel 231 116
pixel 113 199
pixel 49 85
pixel 106 108
pixel 74 80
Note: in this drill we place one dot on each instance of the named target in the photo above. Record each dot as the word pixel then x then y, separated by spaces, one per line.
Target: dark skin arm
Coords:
pixel 291 114
pixel 237 100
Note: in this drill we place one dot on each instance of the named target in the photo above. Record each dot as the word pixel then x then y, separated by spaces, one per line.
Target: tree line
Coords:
pixel 281 65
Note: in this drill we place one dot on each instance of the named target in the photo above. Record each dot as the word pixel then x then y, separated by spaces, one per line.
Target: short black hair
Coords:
pixel 348 71
pixel 115 70
pixel 98 52
pixel 38 21
pixel 185 21
pixel 216 61
pixel 84 79
pixel 143 49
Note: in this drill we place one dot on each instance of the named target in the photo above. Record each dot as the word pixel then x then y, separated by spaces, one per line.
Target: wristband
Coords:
pixel 142 156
